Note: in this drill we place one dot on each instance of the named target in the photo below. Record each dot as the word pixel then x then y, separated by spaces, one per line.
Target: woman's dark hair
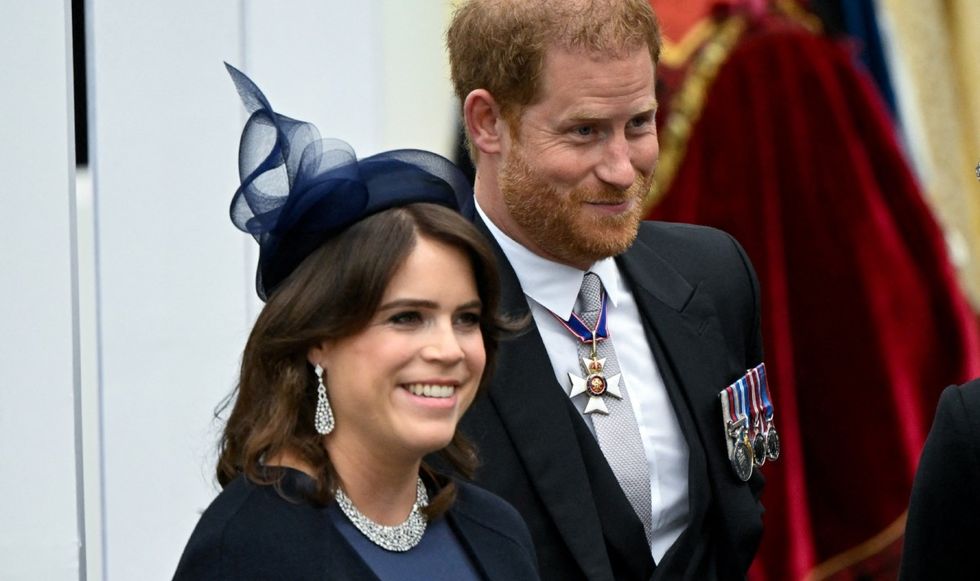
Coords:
pixel 334 293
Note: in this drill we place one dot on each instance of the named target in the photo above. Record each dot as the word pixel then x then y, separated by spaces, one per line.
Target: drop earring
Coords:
pixel 323 419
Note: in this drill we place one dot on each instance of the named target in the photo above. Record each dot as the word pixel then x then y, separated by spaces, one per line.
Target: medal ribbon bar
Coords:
pixel 756 434
pixel 577 327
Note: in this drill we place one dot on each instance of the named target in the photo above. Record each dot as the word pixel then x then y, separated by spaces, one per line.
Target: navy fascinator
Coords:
pixel 298 190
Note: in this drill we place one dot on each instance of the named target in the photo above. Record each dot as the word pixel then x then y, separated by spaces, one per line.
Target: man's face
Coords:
pixel 574 178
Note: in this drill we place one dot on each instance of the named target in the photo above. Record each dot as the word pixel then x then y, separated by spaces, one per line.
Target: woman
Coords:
pixel 378 325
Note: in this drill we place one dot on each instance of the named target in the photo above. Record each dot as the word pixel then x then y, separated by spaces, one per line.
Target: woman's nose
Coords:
pixel 444 345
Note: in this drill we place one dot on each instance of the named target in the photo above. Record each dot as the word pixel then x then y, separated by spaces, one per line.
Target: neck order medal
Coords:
pixel 595 383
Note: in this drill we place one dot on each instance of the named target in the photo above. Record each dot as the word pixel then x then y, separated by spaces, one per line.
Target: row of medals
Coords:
pixel 752 451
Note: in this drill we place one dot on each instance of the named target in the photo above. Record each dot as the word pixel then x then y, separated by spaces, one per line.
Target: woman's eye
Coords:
pixel 406 318
pixel 468 320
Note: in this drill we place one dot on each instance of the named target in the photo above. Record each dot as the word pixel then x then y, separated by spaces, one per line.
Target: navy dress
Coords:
pixel 253 531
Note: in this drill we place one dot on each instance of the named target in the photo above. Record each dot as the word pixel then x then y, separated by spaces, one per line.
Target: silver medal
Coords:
pixel 772 443
pixel 742 457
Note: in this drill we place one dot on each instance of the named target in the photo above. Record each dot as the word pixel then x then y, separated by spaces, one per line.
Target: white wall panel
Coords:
pixel 40 531
pixel 420 109
pixel 373 73
pixel 320 61
pixel 172 304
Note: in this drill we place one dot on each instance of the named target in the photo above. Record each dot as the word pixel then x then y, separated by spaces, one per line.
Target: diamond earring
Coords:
pixel 323 419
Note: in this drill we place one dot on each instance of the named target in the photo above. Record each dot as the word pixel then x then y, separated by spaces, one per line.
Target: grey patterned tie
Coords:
pixel 617 431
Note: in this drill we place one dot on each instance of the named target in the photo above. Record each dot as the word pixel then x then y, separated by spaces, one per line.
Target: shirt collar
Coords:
pixel 552 285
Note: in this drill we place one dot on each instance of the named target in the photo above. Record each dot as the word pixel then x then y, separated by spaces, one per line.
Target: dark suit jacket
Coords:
pixel 698 296
pixel 942 534
pixel 251 532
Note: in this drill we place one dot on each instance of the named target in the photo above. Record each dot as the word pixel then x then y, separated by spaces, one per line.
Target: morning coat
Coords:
pixel 699 299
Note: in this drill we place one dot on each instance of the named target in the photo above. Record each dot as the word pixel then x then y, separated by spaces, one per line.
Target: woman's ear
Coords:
pixel 484 123
pixel 317 354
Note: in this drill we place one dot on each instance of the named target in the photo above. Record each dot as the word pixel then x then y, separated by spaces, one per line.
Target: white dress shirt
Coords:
pixel 551 287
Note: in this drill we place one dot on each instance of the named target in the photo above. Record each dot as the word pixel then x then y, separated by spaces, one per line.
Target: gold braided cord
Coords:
pixel 688 103
pixel 792 10
pixel 676 54
pixel 873 546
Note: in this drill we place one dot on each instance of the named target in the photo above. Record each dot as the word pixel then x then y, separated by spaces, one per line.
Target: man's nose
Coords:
pixel 616 167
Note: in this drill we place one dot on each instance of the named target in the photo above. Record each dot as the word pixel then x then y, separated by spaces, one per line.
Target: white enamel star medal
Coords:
pixel 595 383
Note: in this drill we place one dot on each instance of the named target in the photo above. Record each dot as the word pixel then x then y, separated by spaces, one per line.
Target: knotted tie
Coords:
pixel 617 432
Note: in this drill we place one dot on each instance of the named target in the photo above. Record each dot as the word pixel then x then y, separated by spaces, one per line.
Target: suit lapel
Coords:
pixel 539 417
pixel 685 326
pixel 694 358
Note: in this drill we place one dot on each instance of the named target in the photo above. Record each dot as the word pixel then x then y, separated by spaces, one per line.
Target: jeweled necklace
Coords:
pixel 398 538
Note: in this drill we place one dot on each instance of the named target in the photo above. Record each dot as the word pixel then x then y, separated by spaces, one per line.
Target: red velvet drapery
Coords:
pixel 864 324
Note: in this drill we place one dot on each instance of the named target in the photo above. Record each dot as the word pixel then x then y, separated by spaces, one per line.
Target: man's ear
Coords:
pixel 484 123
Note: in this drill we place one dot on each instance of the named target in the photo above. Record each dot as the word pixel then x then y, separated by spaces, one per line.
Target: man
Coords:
pixel 615 453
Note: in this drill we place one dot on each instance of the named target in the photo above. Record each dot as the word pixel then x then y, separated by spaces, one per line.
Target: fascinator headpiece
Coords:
pixel 297 190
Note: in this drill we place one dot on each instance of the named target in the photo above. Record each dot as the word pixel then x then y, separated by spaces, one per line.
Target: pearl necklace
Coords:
pixel 398 538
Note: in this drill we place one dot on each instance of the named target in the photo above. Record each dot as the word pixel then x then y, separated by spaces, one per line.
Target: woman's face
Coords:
pixel 399 387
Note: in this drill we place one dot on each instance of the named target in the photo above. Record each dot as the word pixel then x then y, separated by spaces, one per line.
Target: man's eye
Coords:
pixel 638 122
pixel 584 131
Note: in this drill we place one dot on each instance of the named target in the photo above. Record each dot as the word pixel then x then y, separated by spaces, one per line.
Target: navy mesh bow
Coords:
pixel 297 189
